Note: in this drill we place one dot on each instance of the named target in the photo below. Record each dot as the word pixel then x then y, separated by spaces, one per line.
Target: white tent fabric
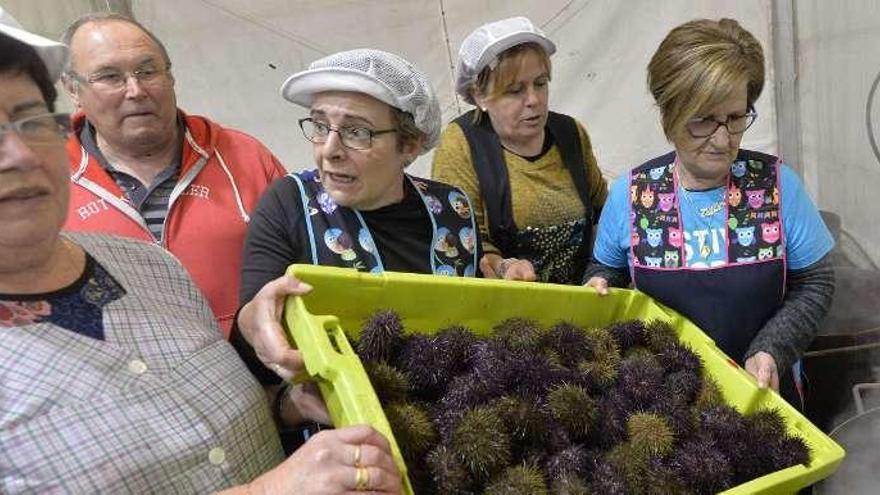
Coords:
pixel 230 57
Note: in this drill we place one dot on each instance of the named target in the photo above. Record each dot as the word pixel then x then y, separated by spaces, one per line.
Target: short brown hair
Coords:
pixel 509 63
pixel 699 65
pixel 407 132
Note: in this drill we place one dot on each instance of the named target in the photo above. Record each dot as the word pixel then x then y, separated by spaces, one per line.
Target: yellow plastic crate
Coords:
pixel 344 298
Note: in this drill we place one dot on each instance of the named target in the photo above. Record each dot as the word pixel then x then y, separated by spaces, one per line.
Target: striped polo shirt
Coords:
pixel 151 200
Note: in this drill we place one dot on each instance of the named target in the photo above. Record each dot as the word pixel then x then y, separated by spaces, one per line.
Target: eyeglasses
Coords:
pixel 735 124
pixel 356 138
pixel 45 129
pixel 115 79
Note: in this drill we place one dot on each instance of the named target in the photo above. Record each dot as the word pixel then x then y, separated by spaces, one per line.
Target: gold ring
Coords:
pixel 362 479
pixel 357 455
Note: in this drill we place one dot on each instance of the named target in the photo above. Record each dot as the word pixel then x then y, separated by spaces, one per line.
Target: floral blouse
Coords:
pixel 77 307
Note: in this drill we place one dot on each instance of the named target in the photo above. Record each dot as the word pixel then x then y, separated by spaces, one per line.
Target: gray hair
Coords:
pixel 102 17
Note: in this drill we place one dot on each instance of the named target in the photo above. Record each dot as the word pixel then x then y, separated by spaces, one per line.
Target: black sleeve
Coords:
pixel 791 330
pixel 275 239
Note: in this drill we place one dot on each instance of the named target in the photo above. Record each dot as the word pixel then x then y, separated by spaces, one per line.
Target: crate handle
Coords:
pixel 325 350
pixel 308 333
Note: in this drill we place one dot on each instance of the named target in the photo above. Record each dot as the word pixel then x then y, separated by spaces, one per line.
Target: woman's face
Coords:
pixel 363 179
pixel 706 160
pixel 520 113
pixel 34 189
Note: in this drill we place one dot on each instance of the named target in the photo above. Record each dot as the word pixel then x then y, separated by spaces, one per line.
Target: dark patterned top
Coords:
pixel 77 307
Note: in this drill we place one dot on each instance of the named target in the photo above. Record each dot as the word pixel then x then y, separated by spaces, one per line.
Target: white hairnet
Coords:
pixel 54 54
pixel 482 47
pixel 382 75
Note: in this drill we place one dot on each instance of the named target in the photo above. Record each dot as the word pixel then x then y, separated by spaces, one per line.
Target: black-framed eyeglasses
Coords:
pixel 115 79
pixel 356 138
pixel 43 129
pixel 735 124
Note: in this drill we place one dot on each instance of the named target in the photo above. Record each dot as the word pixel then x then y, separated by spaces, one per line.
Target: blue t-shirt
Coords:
pixel 807 239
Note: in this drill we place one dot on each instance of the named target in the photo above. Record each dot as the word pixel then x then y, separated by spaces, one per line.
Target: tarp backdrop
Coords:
pixel 230 56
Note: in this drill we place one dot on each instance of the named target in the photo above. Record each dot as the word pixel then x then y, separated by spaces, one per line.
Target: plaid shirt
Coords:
pixel 162 405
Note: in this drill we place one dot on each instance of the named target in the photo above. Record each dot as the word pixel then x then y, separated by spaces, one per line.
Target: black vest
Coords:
pixel 487 157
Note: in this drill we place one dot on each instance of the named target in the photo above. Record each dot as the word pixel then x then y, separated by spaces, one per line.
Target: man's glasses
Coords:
pixel 735 124
pixel 45 129
pixel 356 138
pixel 114 80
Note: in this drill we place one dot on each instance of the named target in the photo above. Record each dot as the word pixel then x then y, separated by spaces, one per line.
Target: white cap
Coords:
pixel 482 47
pixel 382 75
pixel 54 54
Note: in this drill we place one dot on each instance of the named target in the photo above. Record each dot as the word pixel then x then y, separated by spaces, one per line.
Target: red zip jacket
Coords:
pixel 223 172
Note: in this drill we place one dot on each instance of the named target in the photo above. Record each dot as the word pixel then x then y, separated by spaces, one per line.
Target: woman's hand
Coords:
pixel 259 322
pixel 763 367
pixel 598 283
pixel 300 403
pixel 348 460
pixel 494 266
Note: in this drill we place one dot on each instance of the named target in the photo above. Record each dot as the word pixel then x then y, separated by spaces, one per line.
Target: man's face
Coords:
pixel 34 175
pixel 136 115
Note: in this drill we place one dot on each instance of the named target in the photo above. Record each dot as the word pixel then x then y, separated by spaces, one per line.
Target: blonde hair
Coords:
pixel 699 65
pixel 505 72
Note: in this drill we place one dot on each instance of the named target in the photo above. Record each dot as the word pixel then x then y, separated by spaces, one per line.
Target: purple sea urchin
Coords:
pixel 464 393
pixel 640 380
pixel 530 375
pixel 574 461
pixel 677 357
pixel 677 413
pixel 608 480
pixel 569 342
pixel 447 472
pixel 430 363
pixel 765 423
pixel 628 333
pixel 381 337
pixel 682 386
pixel 723 423
pixel 614 409
pixel 701 466
pixel 788 451
pixel 457 340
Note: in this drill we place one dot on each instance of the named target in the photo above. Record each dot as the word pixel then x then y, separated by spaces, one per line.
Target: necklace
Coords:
pixel 706 211
pixel 704 217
